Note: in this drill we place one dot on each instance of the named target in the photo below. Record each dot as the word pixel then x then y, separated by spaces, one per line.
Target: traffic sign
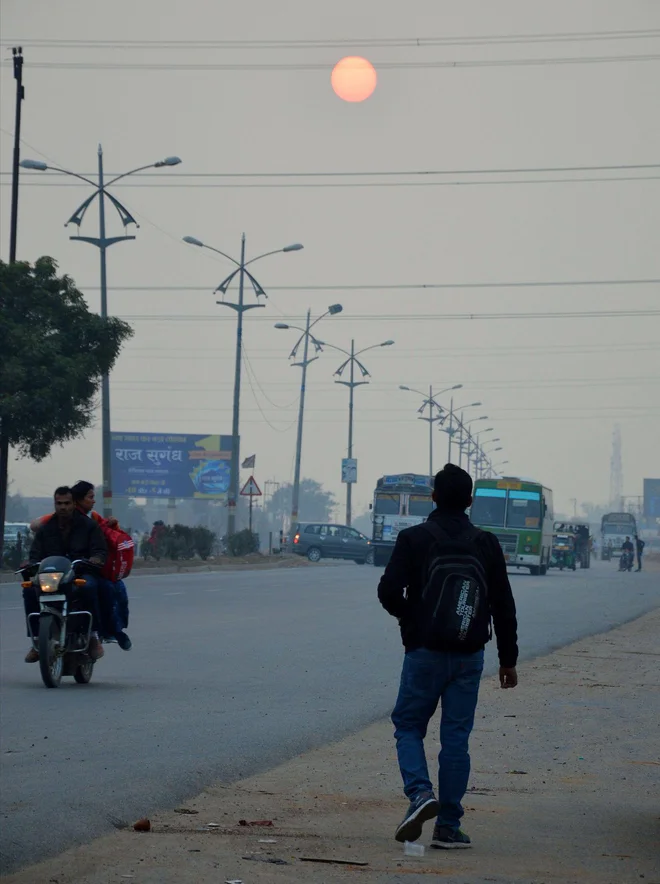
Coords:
pixel 251 489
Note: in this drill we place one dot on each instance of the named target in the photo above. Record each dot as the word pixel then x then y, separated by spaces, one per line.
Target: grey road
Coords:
pixel 230 674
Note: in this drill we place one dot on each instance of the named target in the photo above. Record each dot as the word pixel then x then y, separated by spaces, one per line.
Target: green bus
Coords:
pixel 519 513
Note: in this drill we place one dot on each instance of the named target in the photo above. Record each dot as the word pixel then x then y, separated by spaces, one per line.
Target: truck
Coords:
pixel 614 528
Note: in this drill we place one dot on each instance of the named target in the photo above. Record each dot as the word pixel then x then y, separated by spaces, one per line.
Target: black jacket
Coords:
pixel 85 540
pixel 401 585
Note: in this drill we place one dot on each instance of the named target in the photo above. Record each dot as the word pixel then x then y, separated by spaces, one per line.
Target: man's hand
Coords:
pixel 508 677
pixel 95 560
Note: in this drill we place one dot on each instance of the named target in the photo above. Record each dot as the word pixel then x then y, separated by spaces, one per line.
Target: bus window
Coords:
pixel 420 505
pixel 488 507
pixel 524 510
pixel 386 505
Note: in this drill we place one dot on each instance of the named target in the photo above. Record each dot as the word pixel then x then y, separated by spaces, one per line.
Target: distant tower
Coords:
pixel 616 472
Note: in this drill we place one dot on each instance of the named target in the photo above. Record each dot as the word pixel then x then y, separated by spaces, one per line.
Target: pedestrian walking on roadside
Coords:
pixel 639 546
pixel 445 581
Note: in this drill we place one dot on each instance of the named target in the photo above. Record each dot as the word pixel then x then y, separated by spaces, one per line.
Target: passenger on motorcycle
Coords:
pixel 627 555
pixel 68 533
pixel 112 597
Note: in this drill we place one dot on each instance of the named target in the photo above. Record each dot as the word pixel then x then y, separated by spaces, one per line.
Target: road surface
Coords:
pixel 230 674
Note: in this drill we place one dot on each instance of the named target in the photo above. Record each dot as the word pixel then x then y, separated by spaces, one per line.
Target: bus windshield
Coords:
pixel 419 505
pixel 617 528
pixel 524 509
pixel 386 505
pixel 488 507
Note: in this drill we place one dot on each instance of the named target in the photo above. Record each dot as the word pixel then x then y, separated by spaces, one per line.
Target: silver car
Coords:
pixel 322 540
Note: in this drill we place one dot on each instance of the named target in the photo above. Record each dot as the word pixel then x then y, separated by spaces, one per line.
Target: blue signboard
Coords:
pixel 652 498
pixel 174 465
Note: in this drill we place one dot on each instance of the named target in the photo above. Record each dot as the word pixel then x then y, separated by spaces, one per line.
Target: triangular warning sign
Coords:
pixel 251 489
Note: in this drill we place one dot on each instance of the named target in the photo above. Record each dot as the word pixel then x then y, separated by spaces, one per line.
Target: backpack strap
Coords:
pixel 436 531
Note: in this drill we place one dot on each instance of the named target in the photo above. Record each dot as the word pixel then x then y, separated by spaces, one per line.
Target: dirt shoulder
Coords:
pixel 564 789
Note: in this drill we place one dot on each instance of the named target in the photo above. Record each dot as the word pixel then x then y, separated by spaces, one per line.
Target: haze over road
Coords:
pixel 230 673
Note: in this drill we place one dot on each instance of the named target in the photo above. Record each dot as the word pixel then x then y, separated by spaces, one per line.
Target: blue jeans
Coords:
pixel 427 678
pixel 113 602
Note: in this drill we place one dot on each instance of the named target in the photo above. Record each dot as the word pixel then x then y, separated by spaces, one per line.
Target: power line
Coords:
pixel 521 170
pixel 403 317
pixel 376 287
pixel 324 67
pixel 347 184
pixel 337 43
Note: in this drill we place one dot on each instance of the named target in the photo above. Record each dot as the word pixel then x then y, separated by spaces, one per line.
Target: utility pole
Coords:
pixel 351 383
pixel 240 308
pixel 17 54
pixel 102 243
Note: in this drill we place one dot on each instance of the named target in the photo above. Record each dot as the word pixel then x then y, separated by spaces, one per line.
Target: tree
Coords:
pixel 316 505
pixel 54 354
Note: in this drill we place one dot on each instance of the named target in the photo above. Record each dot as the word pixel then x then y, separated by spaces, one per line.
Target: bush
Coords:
pixel 203 541
pixel 178 542
pixel 242 543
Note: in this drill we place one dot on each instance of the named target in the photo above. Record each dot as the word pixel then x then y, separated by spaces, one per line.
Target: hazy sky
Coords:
pixel 552 387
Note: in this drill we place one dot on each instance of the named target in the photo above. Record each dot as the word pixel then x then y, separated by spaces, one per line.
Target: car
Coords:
pixel 322 540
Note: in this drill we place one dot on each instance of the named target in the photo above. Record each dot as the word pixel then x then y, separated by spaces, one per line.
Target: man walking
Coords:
pixel 639 544
pixel 445 581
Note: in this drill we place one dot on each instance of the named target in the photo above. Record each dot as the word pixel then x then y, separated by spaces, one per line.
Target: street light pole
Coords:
pixel 432 403
pixel 235 438
pixel 240 308
pixel 450 431
pixel 352 361
pixel 305 338
pixel 102 242
pixel 295 498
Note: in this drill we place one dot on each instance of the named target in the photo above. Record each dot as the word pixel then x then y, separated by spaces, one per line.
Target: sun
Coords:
pixel 354 78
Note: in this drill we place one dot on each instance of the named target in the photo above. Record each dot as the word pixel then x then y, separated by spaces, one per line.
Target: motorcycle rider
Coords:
pixel 627 550
pixel 112 598
pixel 71 535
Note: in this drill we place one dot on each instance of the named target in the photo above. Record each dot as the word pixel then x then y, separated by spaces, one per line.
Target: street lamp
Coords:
pixel 351 383
pixel 240 308
pixel 102 243
pixel 466 438
pixel 304 339
pixel 494 467
pixel 451 430
pixel 432 403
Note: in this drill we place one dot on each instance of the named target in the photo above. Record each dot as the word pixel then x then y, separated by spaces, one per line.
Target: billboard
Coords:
pixel 652 498
pixel 170 465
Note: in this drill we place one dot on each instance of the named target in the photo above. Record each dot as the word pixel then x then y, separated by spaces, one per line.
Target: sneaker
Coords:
pixel 123 641
pixel 32 656
pixel 95 649
pixel 423 808
pixel 446 838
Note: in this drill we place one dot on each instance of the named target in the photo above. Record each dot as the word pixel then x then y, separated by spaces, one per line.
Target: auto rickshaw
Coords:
pixel 563 552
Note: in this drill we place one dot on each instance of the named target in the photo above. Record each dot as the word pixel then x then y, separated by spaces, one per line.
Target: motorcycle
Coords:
pixel 60 632
pixel 626 560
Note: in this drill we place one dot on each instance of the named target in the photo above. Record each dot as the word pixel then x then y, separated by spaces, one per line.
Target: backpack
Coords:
pixel 121 552
pixel 455 610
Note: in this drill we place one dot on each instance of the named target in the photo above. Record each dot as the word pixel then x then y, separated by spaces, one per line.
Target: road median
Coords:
pixel 563 789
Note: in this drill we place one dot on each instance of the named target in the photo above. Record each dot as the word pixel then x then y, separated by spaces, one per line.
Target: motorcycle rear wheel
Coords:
pixel 83 673
pixel 50 663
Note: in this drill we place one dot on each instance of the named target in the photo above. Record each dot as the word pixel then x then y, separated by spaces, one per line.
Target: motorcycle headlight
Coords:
pixel 50 582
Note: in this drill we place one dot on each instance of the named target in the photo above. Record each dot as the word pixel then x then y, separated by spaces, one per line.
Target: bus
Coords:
pixel 400 501
pixel 519 513
pixel 614 528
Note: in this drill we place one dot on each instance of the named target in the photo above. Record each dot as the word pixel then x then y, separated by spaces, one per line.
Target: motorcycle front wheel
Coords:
pixel 50 662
